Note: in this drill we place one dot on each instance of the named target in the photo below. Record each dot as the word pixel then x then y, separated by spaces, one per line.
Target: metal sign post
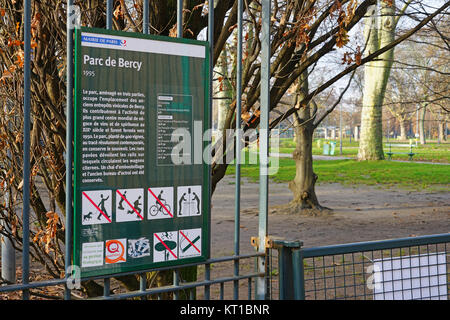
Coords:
pixel 26 147
pixel 261 285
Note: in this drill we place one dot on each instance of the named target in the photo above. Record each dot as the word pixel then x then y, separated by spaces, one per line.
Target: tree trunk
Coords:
pixel 376 75
pixel 441 129
pixel 303 185
pixel 422 124
pixel 224 90
pixel 403 129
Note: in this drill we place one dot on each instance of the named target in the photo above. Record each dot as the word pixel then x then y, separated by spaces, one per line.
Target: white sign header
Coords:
pixel 97 40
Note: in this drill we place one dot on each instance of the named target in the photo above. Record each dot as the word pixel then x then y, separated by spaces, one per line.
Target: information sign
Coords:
pixel 135 205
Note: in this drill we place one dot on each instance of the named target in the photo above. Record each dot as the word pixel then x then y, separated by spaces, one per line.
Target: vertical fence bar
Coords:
pixel 222 289
pixel 145 20
pixel 290 269
pixel 109 12
pixel 145 30
pixel 26 148
pixel 299 274
pixel 8 265
pixel 207 290
pixel 106 287
pixel 143 284
pixel 282 274
pixel 261 287
pixel 180 18
pixel 237 218
pixel 176 283
pixel 69 150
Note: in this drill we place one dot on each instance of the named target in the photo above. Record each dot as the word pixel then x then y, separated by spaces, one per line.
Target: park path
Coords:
pixel 322 157
pixel 315 157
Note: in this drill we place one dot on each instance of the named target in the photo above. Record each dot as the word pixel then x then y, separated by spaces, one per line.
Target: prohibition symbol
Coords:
pixel 190 243
pixel 96 207
pixel 166 244
pixel 160 203
pixel 129 205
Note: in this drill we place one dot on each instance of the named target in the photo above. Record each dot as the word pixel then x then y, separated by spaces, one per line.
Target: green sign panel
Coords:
pixel 141 196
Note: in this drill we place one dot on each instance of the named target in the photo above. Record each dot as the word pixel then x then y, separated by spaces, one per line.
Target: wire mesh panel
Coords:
pixel 413 272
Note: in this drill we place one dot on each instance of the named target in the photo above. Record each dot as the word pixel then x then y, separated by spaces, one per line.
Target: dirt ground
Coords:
pixel 359 213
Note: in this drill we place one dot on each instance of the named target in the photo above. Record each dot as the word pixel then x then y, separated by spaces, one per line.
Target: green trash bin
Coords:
pixel 332 147
pixel 326 149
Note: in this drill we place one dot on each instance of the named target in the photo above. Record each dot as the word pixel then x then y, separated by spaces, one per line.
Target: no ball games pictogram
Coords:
pixel 131 206
pixel 100 210
pixel 166 246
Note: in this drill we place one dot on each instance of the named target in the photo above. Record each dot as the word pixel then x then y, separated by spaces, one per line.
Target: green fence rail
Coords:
pixel 405 268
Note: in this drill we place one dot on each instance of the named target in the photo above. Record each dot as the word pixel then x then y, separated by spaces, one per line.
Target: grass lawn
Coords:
pixel 430 152
pixel 410 175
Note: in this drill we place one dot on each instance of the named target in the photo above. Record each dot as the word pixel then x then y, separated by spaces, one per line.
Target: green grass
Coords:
pixel 410 175
pixel 430 152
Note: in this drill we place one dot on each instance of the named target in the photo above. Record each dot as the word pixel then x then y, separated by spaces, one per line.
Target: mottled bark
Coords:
pixel 379 31
pixel 403 129
pixel 423 112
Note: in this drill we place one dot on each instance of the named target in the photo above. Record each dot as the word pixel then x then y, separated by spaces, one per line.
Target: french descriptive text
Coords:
pixel 113 130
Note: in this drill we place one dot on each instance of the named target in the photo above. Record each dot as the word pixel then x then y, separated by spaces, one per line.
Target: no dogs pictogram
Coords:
pixel 96 207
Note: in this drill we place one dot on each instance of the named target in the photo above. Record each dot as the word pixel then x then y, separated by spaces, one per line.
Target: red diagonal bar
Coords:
pixel 170 214
pixel 165 245
pixel 93 203
pixel 189 241
pixel 134 209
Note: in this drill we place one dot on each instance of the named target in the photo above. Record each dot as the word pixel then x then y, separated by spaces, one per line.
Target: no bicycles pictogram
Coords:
pixel 160 203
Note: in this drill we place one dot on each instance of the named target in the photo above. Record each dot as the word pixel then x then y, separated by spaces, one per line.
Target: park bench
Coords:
pixel 390 153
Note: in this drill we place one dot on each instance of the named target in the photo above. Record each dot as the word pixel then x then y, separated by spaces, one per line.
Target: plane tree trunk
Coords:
pixel 303 184
pixel 376 75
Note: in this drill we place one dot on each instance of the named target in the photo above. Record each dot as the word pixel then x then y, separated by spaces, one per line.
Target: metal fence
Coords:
pixel 253 283
pixel 412 268
pixel 215 281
